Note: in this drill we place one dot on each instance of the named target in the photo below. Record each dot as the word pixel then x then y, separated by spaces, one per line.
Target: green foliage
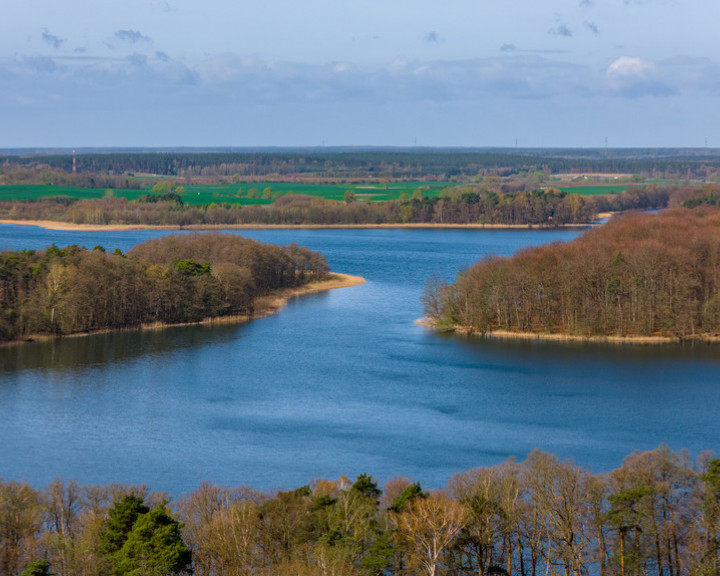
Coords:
pixel 53 251
pixel 173 197
pixel 625 505
pixel 153 547
pixel 365 486
pixel 191 268
pixel 411 492
pixel 139 541
pixel 121 519
pixel 37 568
pixel 164 188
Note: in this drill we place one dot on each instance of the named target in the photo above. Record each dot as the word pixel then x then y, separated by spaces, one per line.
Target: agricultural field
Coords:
pixel 246 193
pixel 242 193
pixel 25 192
pixel 595 190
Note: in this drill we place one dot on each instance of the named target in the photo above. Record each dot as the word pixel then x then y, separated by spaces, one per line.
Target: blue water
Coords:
pixel 341 382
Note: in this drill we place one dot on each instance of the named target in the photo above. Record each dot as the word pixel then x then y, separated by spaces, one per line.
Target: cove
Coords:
pixel 341 382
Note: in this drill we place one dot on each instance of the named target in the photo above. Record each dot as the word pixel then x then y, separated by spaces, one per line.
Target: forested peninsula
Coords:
pixel 176 279
pixel 649 276
pixel 659 513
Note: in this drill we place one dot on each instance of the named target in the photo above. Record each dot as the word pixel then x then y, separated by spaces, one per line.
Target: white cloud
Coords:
pixel 157 86
pixel 635 77
pixel 626 67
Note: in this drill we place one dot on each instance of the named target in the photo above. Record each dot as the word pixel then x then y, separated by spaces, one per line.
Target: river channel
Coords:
pixel 341 382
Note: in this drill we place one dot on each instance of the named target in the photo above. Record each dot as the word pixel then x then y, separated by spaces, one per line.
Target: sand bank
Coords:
pixel 54 225
pixel 556 337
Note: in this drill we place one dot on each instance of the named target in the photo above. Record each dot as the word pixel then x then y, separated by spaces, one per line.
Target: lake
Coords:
pixel 341 382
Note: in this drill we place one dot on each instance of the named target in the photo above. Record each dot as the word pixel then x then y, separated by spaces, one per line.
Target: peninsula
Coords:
pixel 178 279
pixel 639 278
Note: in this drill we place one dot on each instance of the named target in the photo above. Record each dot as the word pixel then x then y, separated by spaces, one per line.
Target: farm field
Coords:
pixel 596 190
pixel 24 192
pixel 252 193
pixel 195 194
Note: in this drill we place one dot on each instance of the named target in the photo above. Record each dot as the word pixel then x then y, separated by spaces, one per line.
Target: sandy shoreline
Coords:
pixel 266 305
pixel 548 337
pixel 68 226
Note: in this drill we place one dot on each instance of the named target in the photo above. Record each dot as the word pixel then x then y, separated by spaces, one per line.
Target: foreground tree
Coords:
pixel 144 542
pixel 426 527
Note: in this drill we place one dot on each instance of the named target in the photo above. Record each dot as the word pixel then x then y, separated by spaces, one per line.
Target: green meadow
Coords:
pixel 252 193
pixel 597 190
pixel 24 192
pixel 242 193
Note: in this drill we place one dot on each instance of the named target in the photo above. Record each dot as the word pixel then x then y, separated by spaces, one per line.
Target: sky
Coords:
pixel 472 73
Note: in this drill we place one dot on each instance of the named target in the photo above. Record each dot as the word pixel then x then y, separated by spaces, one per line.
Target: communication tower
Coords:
pixel 74 164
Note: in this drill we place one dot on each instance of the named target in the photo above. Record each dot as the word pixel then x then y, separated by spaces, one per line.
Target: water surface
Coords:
pixel 341 382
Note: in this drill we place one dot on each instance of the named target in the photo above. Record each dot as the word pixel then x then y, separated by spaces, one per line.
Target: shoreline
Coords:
pixel 558 337
pixel 267 305
pixel 69 226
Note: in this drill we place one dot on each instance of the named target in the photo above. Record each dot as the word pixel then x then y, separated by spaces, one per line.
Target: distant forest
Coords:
pixel 638 275
pixel 354 164
pixel 659 514
pixel 175 279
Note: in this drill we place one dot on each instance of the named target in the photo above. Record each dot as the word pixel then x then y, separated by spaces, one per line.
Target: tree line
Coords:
pixel 444 163
pixel 175 279
pixel 659 513
pixel 13 173
pixel 457 205
pixel 637 275
pixel 488 201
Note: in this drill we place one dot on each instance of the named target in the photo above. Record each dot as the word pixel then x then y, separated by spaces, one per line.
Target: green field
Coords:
pixel 597 190
pixel 196 194
pixel 37 191
pixel 233 193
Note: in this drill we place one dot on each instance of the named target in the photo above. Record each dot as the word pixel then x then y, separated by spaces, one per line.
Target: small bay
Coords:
pixel 341 382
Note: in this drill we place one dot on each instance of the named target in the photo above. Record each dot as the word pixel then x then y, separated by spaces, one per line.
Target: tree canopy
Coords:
pixel 183 278
pixel 655 514
pixel 638 275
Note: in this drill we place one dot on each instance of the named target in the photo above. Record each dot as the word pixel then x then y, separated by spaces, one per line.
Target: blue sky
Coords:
pixel 371 72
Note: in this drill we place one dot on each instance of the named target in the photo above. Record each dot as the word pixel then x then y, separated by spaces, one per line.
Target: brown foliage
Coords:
pixel 174 279
pixel 656 514
pixel 638 275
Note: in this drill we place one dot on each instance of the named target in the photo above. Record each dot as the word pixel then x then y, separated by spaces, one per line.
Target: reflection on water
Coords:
pixel 72 353
pixel 339 383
